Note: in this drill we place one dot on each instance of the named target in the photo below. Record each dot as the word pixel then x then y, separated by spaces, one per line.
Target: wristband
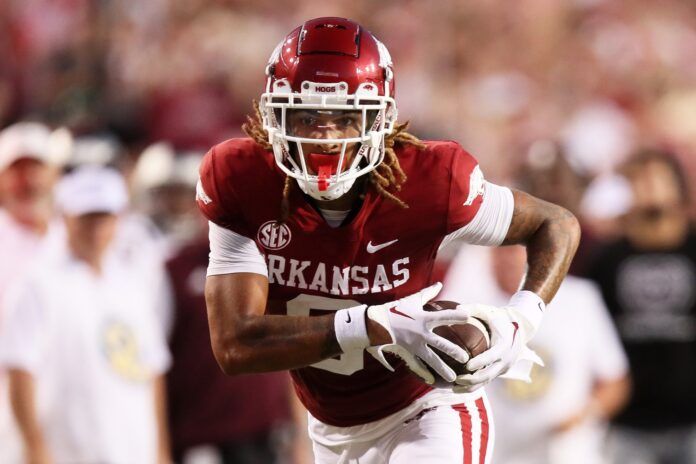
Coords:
pixel 350 328
pixel 529 309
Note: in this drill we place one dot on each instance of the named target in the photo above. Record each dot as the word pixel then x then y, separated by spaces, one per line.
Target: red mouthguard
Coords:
pixel 325 165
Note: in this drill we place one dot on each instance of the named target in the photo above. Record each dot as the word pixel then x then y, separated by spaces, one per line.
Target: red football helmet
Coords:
pixel 329 66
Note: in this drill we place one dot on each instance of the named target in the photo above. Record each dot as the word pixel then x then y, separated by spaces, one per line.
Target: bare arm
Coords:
pixel 608 399
pixel 610 396
pixel 551 235
pixel 245 340
pixel 160 395
pixel 23 402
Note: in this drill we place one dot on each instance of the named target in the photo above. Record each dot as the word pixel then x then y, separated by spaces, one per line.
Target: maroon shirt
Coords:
pixel 205 405
pixel 314 268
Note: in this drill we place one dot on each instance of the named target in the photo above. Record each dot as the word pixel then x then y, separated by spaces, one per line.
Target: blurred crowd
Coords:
pixel 590 104
pixel 603 75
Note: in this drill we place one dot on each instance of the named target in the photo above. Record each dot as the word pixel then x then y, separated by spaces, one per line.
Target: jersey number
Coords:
pixel 304 305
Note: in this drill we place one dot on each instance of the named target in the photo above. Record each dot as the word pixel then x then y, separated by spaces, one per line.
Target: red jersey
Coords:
pixel 380 253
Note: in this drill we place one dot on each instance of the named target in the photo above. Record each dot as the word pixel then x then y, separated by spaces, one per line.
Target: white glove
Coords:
pixel 511 328
pixel 411 330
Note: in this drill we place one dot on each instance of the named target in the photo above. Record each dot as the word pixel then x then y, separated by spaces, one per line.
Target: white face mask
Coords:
pixel 346 133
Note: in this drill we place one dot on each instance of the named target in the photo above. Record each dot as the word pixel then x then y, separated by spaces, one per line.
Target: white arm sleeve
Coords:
pixel 231 252
pixel 490 225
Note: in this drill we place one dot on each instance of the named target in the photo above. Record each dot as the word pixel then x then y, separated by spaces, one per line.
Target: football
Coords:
pixel 472 336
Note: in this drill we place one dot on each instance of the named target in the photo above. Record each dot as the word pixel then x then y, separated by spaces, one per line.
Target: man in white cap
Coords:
pixel 28 170
pixel 84 350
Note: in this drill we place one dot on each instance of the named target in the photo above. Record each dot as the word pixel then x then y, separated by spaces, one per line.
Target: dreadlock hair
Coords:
pixel 387 178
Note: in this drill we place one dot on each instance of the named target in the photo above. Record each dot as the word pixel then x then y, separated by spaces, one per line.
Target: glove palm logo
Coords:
pixel 396 311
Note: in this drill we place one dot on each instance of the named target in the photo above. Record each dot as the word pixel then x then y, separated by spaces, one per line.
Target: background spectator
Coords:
pixel 28 171
pixel 648 279
pixel 601 76
pixel 561 417
pixel 82 343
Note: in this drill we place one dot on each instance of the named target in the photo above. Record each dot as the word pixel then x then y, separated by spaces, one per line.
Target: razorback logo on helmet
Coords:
pixel 273 235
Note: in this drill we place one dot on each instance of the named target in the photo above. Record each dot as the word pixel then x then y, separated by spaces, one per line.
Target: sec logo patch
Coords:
pixel 274 236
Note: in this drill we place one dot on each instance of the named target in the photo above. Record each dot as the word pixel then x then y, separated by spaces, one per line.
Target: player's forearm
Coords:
pixel 271 343
pixel 551 235
pixel 246 340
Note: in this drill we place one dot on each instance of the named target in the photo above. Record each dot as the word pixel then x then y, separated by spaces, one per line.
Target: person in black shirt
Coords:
pixel 648 280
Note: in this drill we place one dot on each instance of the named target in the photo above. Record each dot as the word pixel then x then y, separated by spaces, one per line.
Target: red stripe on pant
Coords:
pixel 485 432
pixel 467 438
pixel 465 419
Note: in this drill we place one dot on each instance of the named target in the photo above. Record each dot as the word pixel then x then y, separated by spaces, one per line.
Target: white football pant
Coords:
pixel 457 434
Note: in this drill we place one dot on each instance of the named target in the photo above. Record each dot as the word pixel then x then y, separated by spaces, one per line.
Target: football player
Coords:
pixel 324 225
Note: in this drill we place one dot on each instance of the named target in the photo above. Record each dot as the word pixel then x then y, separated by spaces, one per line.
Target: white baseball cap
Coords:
pixel 91 189
pixel 33 140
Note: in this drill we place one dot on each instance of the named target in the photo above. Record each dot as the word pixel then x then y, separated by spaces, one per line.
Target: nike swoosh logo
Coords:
pixel 375 248
pixel 540 308
pixel 348 319
pixel 396 311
